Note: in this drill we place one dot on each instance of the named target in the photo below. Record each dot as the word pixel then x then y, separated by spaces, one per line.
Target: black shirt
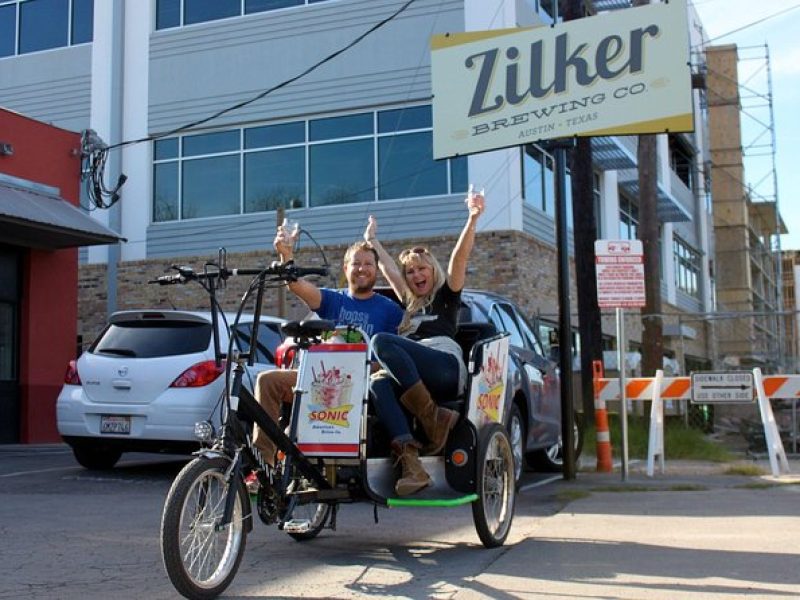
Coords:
pixel 438 318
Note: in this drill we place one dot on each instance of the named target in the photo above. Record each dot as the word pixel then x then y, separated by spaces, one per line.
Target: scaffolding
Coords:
pixel 759 153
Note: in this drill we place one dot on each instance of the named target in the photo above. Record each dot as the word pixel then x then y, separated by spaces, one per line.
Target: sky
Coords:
pixel 780 34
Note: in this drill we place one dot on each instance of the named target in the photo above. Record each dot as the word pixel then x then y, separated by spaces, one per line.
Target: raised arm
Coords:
pixel 457 269
pixel 305 290
pixel 386 263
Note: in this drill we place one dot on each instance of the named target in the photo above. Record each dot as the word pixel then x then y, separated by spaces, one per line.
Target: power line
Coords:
pixel 96 154
pixel 748 25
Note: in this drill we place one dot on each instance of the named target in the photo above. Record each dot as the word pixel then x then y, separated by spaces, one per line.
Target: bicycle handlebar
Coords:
pixel 277 271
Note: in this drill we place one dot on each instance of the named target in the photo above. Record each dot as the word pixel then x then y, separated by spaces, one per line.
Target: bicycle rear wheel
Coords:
pixel 493 511
pixel 201 558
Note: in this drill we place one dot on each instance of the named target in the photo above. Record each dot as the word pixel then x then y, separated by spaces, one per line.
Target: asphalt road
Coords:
pixel 695 532
pixel 71 533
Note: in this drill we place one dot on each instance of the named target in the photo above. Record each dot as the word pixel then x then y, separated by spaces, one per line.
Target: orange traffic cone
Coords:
pixel 601 422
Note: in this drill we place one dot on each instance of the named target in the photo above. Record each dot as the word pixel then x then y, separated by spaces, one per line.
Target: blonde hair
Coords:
pixel 412 302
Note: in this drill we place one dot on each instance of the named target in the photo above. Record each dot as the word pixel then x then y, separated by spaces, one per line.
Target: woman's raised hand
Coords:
pixel 371 232
pixel 475 202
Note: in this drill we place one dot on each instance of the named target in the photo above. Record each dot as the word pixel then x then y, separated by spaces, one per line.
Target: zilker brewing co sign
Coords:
pixel 625 72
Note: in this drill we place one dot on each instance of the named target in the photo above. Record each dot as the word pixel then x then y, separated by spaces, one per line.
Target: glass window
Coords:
pixel 340 127
pixel 168 13
pixel 282 169
pixel 8 29
pixel 200 11
pixel 549 186
pixel 400 119
pixel 275 178
pixel 529 335
pixel 275 135
pixel 628 218
pixel 533 178
pixel 687 267
pixel 341 173
pixel 165 192
pixel 511 324
pixel 269 338
pixel 459 176
pixel 166 148
pixel 210 187
pixel 42 24
pixel 150 339
pixel 209 143
pixel 597 204
pixel 407 169
pixel 82 21
pixel 254 6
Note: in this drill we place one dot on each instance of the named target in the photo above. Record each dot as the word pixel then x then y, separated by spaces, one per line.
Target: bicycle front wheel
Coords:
pixel 201 556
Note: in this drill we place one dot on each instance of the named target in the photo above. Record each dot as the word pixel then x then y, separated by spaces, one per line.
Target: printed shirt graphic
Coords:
pixel 376 314
pixel 440 318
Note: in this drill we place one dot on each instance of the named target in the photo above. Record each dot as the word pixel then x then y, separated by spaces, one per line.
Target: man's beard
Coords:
pixel 364 288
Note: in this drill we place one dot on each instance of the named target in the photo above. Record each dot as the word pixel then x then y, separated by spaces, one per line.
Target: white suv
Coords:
pixel 147 379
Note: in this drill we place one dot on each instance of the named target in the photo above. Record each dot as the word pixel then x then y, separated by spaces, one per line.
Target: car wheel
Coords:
pixel 96 456
pixel 551 459
pixel 516 435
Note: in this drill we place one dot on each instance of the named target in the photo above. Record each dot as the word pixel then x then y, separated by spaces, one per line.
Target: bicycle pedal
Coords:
pixel 297 526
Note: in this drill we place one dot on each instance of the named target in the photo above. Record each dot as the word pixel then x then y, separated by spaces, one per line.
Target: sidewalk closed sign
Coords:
pixel 620 273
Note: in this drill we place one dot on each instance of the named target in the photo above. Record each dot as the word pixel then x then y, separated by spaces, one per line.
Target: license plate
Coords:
pixel 115 424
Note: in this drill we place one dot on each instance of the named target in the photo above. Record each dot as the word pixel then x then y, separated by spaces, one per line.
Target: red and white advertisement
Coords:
pixel 620 273
pixel 330 410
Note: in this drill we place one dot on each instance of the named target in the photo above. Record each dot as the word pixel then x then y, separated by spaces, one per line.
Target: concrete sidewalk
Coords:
pixel 695 532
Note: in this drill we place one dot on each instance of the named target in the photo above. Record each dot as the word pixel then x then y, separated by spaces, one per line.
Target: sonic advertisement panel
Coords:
pixel 621 73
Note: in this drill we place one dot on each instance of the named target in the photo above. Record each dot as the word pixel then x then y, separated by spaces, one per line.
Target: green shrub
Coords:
pixel 680 442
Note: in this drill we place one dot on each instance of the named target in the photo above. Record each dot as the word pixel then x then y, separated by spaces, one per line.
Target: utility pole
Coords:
pixel 584 230
pixel 652 331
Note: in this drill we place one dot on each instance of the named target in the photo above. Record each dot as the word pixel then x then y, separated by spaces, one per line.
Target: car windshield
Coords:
pixel 269 337
pixel 151 339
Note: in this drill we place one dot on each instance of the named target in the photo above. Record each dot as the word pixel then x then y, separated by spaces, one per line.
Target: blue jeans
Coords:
pixel 407 362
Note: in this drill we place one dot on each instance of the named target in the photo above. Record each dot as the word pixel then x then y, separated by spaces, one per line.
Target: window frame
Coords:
pixel 69 25
pixel 172 151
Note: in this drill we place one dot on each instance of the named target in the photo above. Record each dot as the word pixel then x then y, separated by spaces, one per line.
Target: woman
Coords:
pixel 424 360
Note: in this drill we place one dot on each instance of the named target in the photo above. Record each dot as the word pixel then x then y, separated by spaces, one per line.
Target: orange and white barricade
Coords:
pixel 657 389
pixel 660 388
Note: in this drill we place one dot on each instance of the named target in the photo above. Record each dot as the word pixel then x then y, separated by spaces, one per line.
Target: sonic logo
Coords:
pixel 491 389
pixel 338 416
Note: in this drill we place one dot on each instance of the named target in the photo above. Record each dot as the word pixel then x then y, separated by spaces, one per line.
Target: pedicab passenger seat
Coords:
pixel 467 335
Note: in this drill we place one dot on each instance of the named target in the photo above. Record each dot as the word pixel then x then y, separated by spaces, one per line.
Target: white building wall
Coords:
pixel 102 109
pixel 136 158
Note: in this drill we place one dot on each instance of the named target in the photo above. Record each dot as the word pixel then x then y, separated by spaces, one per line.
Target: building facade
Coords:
pixel 223 143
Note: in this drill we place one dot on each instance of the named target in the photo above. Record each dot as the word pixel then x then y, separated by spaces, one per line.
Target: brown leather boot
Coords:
pixel 436 421
pixel 413 477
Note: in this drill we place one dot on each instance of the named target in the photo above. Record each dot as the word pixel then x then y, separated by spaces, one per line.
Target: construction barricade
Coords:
pixel 659 388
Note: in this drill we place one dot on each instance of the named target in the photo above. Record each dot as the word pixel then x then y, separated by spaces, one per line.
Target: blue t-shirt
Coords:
pixel 376 314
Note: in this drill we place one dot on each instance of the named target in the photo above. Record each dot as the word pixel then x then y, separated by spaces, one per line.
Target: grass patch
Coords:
pixel 680 442
pixel 566 496
pixel 686 487
pixel 747 470
pixel 758 485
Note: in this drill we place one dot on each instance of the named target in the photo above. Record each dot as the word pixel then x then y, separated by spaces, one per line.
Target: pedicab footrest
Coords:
pixel 443 502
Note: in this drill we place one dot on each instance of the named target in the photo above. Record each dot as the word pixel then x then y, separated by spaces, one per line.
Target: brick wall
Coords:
pixel 510 263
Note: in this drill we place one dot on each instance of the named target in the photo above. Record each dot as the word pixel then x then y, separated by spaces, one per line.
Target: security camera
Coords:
pixel 6 149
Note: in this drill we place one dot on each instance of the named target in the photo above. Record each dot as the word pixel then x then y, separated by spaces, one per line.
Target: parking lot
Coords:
pixel 692 533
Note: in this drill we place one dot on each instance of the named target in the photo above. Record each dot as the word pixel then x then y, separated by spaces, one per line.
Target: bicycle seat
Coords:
pixel 309 328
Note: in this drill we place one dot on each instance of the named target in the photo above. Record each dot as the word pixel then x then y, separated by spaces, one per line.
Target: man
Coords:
pixel 358 305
